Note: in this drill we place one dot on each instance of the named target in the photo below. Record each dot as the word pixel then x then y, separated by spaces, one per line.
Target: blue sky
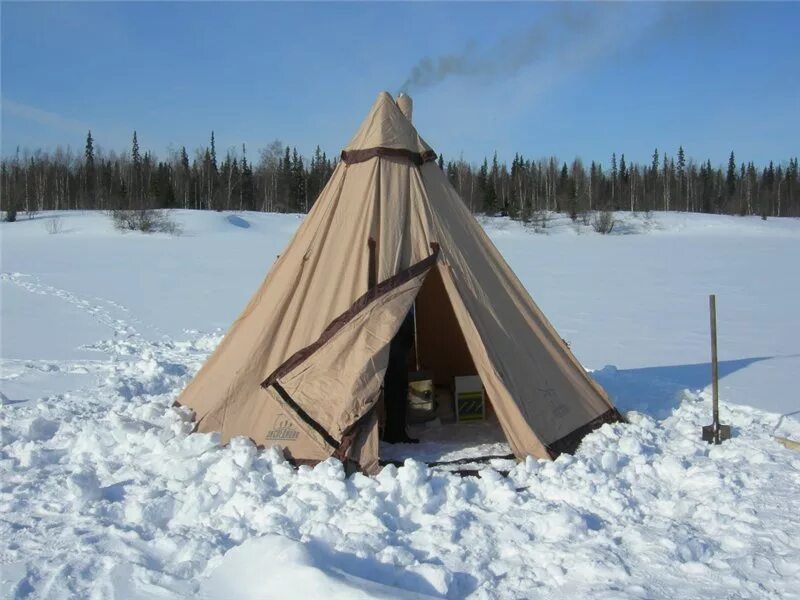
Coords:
pixel 566 79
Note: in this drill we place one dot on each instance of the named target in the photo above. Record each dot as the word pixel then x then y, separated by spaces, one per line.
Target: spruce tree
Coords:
pixel 791 180
pixel 185 177
pixel 246 188
pixel 213 177
pixel 563 192
pixel 147 190
pixel 572 202
pixel 614 175
pixel 494 179
pixel 213 152
pixel 483 185
pixel 707 182
pixel 285 178
pixel 653 180
pixel 298 191
pixel 184 160
pixel 681 172
pixel 730 178
pixel 234 185
pixel 136 179
pixel 90 172
pixel 9 192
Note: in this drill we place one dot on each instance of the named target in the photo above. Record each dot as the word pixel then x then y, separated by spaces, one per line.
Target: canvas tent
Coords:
pixel 303 365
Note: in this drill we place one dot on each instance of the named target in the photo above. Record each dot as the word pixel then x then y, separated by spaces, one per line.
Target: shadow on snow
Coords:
pixel 656 391
pixel 238 221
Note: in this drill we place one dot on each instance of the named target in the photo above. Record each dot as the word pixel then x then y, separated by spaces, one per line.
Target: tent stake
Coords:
pixel 715 433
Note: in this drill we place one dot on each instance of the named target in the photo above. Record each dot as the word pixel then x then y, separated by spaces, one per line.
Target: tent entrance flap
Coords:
pixel 335 382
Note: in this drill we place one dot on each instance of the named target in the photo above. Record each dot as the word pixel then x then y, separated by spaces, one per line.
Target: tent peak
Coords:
pixel 387 127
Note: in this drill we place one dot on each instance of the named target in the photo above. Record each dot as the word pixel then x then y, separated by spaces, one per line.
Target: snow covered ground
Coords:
pixel 105 494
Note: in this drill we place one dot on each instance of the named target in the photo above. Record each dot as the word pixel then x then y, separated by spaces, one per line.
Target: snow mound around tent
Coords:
pixel 105 492
pixel 275 566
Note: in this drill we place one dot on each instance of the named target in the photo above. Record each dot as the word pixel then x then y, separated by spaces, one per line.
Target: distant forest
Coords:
pixel 279 179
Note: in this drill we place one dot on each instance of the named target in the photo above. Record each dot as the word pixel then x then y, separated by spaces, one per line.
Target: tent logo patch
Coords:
pixel 282 429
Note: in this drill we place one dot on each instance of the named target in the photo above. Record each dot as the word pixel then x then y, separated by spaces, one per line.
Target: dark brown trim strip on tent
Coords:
pixel 350 157
pixel 570 442
pixel 365 300
pixel 307 419
pixel 372 265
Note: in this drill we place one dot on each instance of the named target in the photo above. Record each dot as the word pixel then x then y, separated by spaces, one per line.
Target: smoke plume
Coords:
pixel 557 37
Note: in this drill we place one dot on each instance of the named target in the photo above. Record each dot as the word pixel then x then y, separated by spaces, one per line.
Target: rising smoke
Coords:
pixel 554 37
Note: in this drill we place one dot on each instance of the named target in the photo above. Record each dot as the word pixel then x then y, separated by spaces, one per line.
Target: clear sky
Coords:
pixel 566 79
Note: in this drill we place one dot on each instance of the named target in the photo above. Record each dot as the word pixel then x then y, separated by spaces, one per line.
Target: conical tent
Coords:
pixel 303 365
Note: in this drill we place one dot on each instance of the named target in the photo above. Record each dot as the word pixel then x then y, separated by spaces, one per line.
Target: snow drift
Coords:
pixel 105 493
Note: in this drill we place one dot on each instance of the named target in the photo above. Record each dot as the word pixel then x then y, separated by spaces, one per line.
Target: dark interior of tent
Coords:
pixel 446 404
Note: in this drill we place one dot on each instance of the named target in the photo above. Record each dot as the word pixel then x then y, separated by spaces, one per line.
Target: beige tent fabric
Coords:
pixel 366 446
pixel 538 389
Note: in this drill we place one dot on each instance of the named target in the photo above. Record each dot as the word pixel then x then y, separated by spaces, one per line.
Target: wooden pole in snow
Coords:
pixel 712 305
pixel 715 433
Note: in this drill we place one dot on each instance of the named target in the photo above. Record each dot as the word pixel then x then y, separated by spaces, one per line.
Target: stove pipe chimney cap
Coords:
pixel 405 105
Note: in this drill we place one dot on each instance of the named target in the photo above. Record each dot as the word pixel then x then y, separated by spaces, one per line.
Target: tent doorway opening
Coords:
pixel 447 408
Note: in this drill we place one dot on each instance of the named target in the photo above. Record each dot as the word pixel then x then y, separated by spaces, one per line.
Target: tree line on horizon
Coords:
pixel 282 180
